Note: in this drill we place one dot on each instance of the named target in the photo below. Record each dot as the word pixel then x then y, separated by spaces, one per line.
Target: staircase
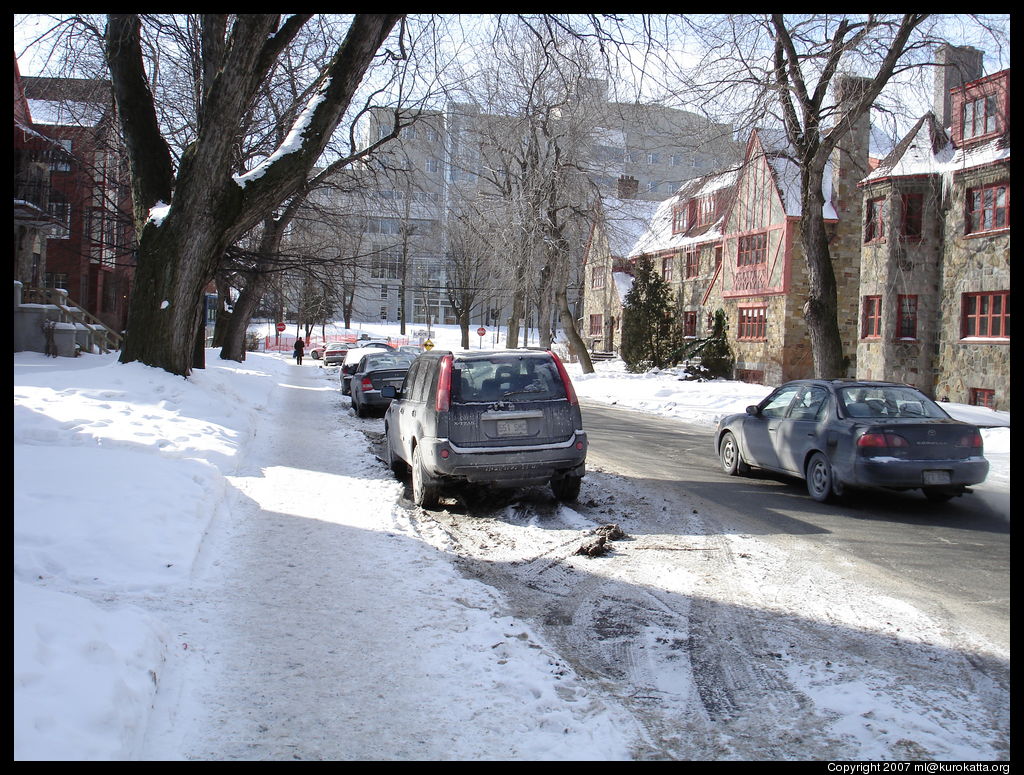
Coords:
pixel 101 335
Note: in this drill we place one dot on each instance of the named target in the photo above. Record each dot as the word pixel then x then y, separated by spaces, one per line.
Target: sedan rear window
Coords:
pixel 518 378
pixel 888 401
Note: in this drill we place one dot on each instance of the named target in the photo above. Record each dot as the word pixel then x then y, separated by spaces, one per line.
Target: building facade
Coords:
pixel 89 243
pixel 920 245
pixel 935 291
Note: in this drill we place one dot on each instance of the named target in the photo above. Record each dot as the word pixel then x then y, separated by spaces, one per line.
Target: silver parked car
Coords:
pixel 334 353
pixel 839 434
pixel 374 372
pixel 508 418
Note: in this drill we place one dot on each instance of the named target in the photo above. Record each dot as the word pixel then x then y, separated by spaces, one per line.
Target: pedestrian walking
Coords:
pixel 299 349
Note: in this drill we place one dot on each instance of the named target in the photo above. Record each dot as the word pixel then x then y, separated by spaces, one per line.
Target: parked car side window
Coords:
pixel 778 403
pixel 410 380
pixel 421 381
pixel 810 405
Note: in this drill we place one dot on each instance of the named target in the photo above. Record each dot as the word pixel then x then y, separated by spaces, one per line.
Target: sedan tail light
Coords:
pixel 972 440
pixel 367 384
pixel 882 440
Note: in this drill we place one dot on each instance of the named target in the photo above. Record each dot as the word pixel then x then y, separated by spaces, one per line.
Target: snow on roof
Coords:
pixel 625 220
pixel 623 284
pixel 777 153
pixel 66 113
pixel 928 150
pixel 658 235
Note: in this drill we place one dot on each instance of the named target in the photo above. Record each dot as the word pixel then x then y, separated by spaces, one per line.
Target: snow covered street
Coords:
pixel 231 574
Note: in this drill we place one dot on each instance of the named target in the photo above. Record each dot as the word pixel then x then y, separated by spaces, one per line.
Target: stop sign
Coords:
pixel 280 327
pixel 481 331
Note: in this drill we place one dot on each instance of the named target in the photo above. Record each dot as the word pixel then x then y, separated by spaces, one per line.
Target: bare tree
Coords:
pixel 786 70
pixel 188 217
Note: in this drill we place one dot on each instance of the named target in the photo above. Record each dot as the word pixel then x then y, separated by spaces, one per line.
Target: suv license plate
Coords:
pixel 511 427
pixel 936 477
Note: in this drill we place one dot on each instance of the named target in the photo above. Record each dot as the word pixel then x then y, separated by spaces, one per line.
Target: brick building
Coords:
pixel 89 242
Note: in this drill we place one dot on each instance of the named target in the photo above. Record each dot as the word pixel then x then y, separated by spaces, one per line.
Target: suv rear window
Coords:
pixel 516 377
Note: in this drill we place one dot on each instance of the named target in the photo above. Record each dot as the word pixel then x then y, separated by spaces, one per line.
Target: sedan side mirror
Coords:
pixel 753 411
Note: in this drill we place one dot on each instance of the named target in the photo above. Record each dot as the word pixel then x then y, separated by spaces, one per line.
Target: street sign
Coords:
pixel 481 331
pixel 280 327
pixel 428 345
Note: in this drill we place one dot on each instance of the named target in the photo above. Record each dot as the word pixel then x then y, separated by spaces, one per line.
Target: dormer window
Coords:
pixel 981 108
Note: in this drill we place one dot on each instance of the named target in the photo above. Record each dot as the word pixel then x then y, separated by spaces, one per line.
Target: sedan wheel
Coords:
pixel 424 494
pixel 820 484
pixel 729 452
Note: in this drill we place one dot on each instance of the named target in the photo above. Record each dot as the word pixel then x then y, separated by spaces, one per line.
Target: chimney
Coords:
pixel 851 163
pixel 628 186
pixel 955 66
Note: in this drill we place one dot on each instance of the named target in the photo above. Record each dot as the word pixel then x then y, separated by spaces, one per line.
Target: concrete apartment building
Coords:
pixel 447 157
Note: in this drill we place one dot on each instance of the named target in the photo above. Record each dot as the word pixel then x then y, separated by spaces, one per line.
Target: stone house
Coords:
pixel 607 272
pixel 935 267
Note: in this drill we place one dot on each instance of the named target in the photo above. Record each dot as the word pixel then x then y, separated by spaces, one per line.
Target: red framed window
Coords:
pixel 988 208
pixel 874 219
pixel 986 315
pixel 752 249
pixel 666 269
pixel 983 397
pixel 596 325
pixel 752 323
pixel 690 324
pixel 692 263
pixel 980 116
pixel 913 212
pixel 871 326
pixel 706 210
pixel 906 317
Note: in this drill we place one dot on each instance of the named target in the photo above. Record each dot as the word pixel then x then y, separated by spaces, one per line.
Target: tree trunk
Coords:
pixel 233 347
pixel 576 345
pixel 512 335
pixel 821 306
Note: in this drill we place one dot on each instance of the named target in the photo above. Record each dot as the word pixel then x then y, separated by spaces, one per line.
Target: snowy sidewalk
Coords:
pixel 318 627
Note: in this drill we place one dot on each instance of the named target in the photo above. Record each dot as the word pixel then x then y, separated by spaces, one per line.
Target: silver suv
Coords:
pixel 509 418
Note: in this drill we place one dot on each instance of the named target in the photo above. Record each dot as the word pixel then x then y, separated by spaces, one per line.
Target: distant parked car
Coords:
pixel 412 349
pixel 375 371
pixel 334 353
pixel 840 434
pixel 352 358
pixel 508 418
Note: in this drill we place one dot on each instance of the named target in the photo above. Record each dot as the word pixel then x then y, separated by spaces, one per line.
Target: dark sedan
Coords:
pixel 374 372
pixel 839 434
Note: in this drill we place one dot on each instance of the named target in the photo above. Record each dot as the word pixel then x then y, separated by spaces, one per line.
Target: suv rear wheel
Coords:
pixel 424 492
pixel 567 488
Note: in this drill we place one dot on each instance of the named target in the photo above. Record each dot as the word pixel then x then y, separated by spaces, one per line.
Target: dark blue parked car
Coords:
pixel 838 434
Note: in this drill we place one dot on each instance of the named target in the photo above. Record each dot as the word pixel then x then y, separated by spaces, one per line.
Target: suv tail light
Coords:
pixel 570 391
pixel 444 385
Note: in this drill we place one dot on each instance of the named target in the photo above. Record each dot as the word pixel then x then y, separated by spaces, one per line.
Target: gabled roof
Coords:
pixel 777 152
pixel 658 236
pixel 624 220
pixel 928 150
